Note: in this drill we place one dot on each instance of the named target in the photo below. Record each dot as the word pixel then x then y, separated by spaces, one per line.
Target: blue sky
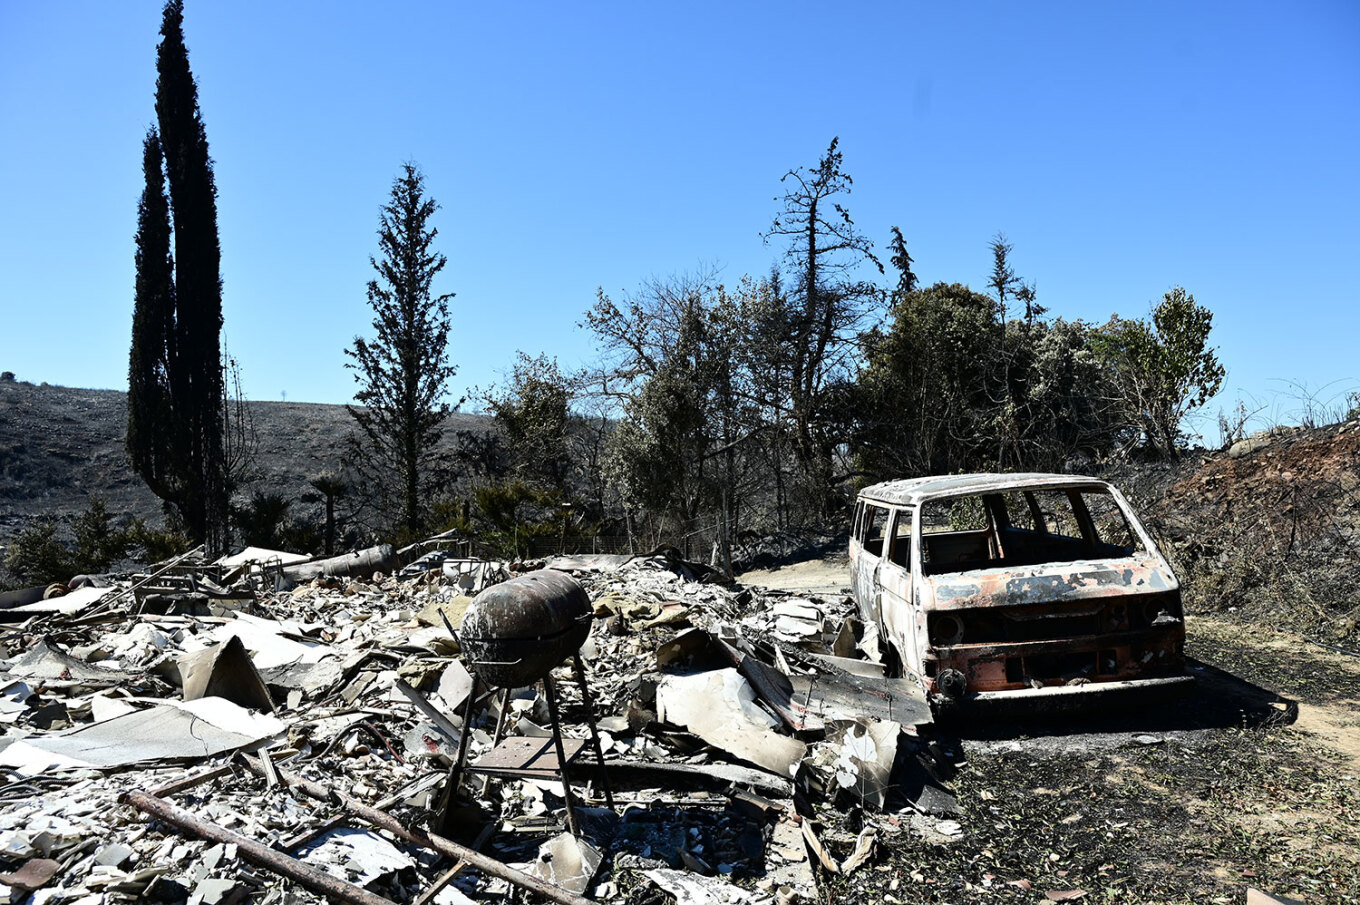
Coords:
pixel 1122 148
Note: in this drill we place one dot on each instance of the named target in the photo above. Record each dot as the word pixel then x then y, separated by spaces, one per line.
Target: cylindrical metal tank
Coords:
pixel 514 633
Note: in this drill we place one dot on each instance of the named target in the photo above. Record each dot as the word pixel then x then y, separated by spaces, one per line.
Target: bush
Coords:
pixel 261 522
pixel 157 545
pixel 36 557
pixel 264 522
pixel 98 543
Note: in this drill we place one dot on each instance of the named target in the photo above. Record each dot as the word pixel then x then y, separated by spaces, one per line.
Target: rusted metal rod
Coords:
pixel 432 841
pixel 255 851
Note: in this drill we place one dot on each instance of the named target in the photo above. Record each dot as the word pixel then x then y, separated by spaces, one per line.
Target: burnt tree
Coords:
pixel 826 308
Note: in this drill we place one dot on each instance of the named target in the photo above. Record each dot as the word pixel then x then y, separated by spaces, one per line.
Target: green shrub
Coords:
pixel 157 545
pixel 36 557
pixel 98 543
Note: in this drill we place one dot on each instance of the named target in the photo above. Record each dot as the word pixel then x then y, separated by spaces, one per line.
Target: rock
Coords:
pixel 1248 446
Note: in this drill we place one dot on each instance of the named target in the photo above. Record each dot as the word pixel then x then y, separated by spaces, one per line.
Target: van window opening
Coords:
pixel 899 550
pixel 1023 528
pixel 876 521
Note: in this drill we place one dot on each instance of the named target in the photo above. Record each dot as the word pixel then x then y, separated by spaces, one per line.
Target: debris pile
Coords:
pixel 275 730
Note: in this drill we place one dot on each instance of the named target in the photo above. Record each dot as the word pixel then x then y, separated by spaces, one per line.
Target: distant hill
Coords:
pixel 59 446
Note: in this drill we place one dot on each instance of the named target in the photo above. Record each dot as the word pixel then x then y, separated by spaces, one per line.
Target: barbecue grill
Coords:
pixel 513 635
pixel 516 632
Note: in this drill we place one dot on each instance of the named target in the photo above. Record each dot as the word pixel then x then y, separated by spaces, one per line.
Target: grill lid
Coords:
pixel 517 631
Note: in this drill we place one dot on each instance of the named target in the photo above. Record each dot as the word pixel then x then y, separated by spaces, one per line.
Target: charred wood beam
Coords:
pixel 446 847
pixel 255 851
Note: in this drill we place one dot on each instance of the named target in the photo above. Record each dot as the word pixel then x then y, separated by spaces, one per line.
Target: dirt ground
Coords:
pixel 1251 781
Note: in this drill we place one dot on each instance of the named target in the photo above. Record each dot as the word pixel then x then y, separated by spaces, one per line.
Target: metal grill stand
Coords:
pixel 529 757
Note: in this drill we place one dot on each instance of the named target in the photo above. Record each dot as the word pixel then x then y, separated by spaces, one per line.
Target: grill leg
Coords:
pixel 500 720
pixel 580 671
pixel 550 688
pixel 500 731
pixel 450 793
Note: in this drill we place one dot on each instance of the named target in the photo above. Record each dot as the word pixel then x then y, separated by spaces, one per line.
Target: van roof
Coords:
pixel 909 491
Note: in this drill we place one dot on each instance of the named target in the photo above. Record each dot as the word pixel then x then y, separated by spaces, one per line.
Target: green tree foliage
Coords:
pixel 262 521
pixel 1003 281
pixel 404 371
pixel 901 261
pixel 660 451
pixel 149 430
pixel 1164 368
pixel 534 415
pixel 678 358
pixel 175 400
pixel 824 310
pixel 266 520
pixel 947 384
pixel 99 543
pixel 37 556
pixel 512 515
pixel 926 389
pixel 157 545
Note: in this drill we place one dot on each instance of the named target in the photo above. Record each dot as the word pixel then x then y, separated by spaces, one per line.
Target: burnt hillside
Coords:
pixel 60 445
pixel 1267 531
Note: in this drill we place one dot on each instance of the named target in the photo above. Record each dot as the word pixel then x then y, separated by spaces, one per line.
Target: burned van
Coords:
pixel 1013 588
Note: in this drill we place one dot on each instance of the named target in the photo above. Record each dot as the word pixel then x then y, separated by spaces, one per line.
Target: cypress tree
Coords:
pixel 153 331
pixel 189 470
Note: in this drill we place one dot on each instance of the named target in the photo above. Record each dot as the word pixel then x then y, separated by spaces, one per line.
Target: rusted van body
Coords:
pixel 996 589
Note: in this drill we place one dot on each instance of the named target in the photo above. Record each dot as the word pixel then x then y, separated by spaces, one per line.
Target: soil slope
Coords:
pixel 59 446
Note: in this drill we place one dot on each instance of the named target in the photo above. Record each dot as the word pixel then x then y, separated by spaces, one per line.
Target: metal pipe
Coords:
pixel 425 707
pixel 188 782
pixel 432 841
pixel 255 851
pixel 108 601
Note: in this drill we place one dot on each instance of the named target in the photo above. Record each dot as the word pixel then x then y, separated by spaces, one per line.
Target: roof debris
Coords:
pixel 289 726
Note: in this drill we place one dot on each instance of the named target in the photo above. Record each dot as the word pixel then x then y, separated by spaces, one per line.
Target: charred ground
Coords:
pixel 1251 781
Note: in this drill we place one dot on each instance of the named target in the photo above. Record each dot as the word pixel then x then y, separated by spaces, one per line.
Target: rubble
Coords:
pixel 277 730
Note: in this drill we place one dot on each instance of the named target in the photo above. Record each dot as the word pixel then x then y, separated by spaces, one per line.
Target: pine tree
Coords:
pixel 902 260
pixel 175 371
pixel 404 371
